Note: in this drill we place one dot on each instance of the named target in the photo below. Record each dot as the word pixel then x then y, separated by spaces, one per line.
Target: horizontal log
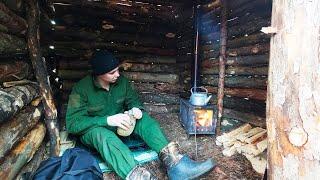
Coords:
pixel 152 77
pixel 15 5
pixel 13 22
pixel 74 64
pixel 113 46
pixel 62 33
pixel 16 70
pixel 10 44
pixel 237 81
pixel 239 42
pixel 161 108
pixel 256 60
pixel 237 70
pixel 245 117
pixel 153 68
pixel 22 153
pixel 256 49
pixel 14 98
pixel 163 98
pixel 257 94
pixel 15 129
pixel 72 74
pixel 34 163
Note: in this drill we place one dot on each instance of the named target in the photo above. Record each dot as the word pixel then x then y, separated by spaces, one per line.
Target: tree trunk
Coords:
pixel 13 22
pixel 13 99
pixel 16 70
pixel 293 109
pixel 41 73
pixel 22 153
pixel 15 129
pixel 10 44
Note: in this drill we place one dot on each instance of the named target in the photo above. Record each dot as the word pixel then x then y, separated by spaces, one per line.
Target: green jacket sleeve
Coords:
pixel 77 119
pixel 132 98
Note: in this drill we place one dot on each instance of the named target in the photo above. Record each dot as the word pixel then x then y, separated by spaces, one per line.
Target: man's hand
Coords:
pixel 136 113
pixel 120 120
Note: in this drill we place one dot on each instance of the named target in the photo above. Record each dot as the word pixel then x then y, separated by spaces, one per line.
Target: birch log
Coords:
pixel 13 99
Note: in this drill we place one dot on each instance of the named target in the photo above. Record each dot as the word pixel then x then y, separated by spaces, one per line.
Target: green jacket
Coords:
pixel 89 104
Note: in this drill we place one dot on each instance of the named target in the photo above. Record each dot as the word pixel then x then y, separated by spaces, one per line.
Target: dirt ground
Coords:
pixel 235 167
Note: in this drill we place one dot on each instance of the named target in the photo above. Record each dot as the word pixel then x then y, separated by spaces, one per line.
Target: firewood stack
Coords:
pixel 248 141
pixel 21 129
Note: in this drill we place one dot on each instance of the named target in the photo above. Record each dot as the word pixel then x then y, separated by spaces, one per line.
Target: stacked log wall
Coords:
pixel 21 129
pixel 246 68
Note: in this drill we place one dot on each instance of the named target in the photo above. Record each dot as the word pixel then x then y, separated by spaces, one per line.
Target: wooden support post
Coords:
pixel 222 62
pixel 293 111
pixel 41 73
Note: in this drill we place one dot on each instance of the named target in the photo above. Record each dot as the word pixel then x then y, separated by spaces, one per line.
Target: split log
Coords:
pixel 13 99
pixel 256 60
pixel 257 94
pixel 237 70
pixel 259 164
pixel 262 145
pixel 13 130
pixel 10 44
pixel 243 137
pixel 33 165
pixel 245 117
pixel 113 46
pixel 240 51
pixel 152 77
pixel 18 83
pixel 13 22
pixel 40 68
pixel 16 70
pixel 254 139
pixel 22 153
pixel 237 81
pixel 231 135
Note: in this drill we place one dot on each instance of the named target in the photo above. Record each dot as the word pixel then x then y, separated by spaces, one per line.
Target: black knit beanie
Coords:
pixel 103 62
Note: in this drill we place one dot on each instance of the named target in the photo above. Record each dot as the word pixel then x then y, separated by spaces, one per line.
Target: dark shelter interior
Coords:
pixel 165 48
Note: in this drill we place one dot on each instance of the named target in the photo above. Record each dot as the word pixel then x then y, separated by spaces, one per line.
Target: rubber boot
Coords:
pixel 181 167
pixel 140 173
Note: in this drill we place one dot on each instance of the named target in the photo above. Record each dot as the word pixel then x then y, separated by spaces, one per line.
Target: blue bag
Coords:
pixel 75 164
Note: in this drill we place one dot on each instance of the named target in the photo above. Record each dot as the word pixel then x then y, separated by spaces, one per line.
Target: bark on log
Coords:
pixel 257 94
pixel 16 70
pixel 136 39
pixel 161 108
pixel 256 60
pixel 239 42
pixel 114 46
pixel 237 81
pixel 152 68
pixel 256 49
pixel 33 165
pixel 10 44
pixel 293 91
pixel 222 62
pixel 152 98
pixel 22 153
pixel 13 22
pixel 72 74
pixel 74 64
pixel 152 77
pixel 237 70
pixel 245 117
pixel 13 99
pixel 13 130
pixel 33 35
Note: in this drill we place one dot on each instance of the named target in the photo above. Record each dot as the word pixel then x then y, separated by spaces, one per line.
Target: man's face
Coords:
pixel 110 77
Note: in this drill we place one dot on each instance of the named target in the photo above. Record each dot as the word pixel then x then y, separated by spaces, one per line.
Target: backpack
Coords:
pixel 75 164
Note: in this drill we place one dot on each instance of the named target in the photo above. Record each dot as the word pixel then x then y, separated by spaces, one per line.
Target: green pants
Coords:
pixel 115 152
